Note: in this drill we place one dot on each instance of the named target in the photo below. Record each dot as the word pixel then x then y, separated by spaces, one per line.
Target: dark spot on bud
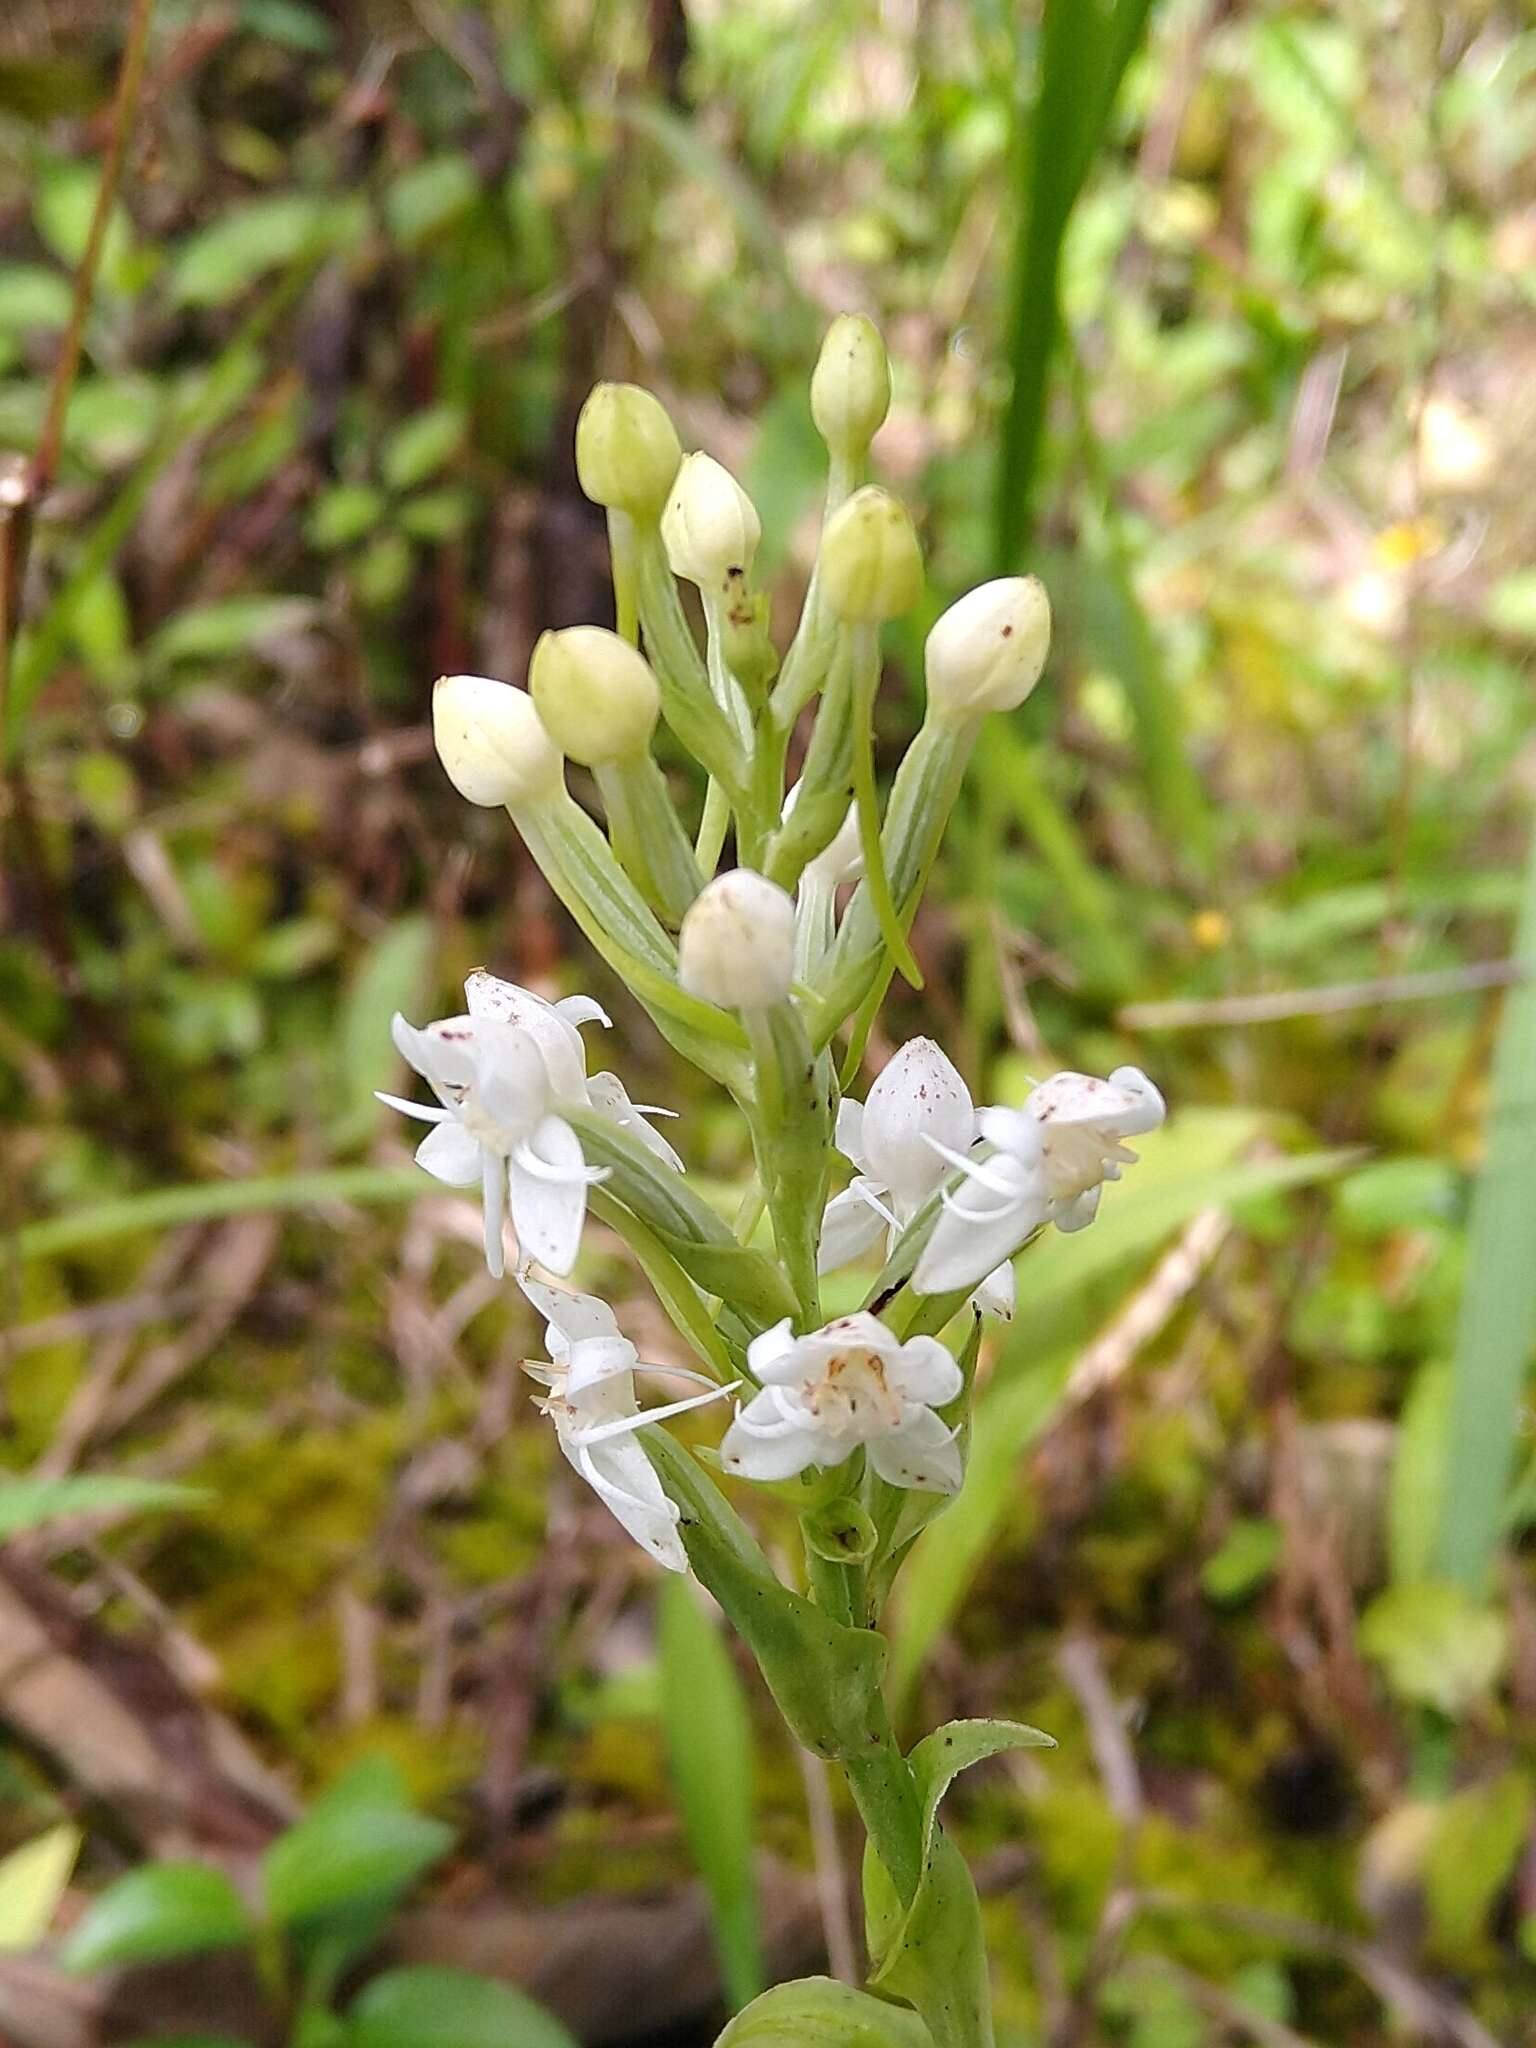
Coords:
pixel 1007 631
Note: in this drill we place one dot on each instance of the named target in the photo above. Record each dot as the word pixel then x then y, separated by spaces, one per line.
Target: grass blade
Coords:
pixel 1497 1327
pixel 709 1747
pixel 1084 48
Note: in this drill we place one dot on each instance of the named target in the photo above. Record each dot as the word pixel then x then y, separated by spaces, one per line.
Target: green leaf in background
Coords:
pixel 419 446
pixel 1418 1473
pixel 390 977
pixel 224 259
pixel 709 1752
pixel 229 628
pixel 430 2007
pixel 201 1201
pixel 342 515
pixel 1247 1557
pixel 32 297
pixel 818 2012
pixel 1497 1328
pixel 33 1879
pixel 1478 1836
pixel 359 1844
pixel 28 1503
pixel 1436 1645
pixel 165 1909
pixel 427 196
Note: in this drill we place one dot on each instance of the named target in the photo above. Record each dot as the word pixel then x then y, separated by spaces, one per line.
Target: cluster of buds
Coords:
pixel 765 974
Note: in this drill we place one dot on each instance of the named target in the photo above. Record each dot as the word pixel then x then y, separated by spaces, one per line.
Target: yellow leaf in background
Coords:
pixel 32 1881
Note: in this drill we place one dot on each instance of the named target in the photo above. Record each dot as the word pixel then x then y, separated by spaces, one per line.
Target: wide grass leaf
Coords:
pixel 428 2006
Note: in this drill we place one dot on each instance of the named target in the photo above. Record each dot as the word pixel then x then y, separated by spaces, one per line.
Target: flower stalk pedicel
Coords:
pixel 861 1419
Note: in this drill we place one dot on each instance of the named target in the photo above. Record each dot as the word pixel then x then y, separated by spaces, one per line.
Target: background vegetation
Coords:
pixel 1238 351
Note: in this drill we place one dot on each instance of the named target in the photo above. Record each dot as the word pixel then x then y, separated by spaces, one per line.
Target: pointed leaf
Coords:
pixel 818 2012
pixel 166 1909
pixel 429 2006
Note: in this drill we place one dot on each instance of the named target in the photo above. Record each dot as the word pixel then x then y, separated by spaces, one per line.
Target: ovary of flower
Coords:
pixel 1049 1161
pixel 917 1117
pixel 590 1398
pixel 502 1074
pixel 851 1383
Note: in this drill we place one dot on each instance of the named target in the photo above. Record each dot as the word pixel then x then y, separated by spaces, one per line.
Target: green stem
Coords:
pixel 866 684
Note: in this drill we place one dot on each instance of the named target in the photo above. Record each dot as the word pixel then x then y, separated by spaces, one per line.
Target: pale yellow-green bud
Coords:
pixel 850 385
pixel 986 652
pixel 871 568
pixel 710 528
pixel 595 693
pixel 627 450
pixel 491 742
pixel 736 946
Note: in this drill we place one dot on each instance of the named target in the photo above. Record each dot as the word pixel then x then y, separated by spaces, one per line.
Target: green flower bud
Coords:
pixel 490 740
pixel 627 450
pixel 986 652
pixel 750 654
pixel 850 385
pixel 871 568
pixel 736 946
pixel 595 694
pixel 710 528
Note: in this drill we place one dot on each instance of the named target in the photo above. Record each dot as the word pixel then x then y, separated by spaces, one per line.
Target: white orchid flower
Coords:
pixel 1049 1161
pixel 502 1073
pixel 918 1105
pixel 590 1398
pixel 851 1383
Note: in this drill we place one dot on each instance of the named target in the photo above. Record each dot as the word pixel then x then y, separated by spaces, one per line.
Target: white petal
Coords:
pixel 442 1054
pixel 1078 1213
pixel 450 1154
pixel 852 1222
pixel 857 1332
pixel 997 1294
pixel 554 1034
pixel 1013 1131
pixel 772 1355
pixel 511 1081
pixel 849 1137
pixel 548 1214
pixel 427 1112
pixel 920 1096
pixel 920 1452
pixel 626 1425
pixel 622 1477
pixel 610 1098
pixel 923 1370
pixel 583 1010
pixel 573 1315
pixel 493 1177
pixel 1148 1109
pixel 776 1457
pixel 969 1240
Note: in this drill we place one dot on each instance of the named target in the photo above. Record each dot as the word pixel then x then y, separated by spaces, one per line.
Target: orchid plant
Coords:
pixel 767 977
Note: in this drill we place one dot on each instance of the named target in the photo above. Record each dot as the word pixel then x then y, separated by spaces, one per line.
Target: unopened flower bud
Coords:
pixel 595 694
pixel 710 528
pixel 871 568
pixel 850 385
pixel 490 740
pixel 627 450
pixel 736 946
pixel 986 652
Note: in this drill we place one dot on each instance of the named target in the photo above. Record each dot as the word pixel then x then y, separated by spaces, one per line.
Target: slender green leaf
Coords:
pixel 201 1201
pixel 818 2012
pixel 1497 1327
pixel 28 1503
pixel 709 1750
